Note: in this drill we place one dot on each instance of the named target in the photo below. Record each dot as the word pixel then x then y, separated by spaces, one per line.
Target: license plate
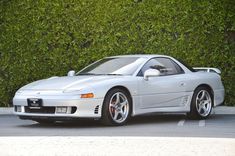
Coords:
pixel 34 102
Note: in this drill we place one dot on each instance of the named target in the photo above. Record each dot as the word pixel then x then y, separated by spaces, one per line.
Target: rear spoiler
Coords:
pixel 205 69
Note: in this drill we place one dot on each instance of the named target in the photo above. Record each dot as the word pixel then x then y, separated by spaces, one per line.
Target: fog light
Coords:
pixel 61 109
pixel 18 108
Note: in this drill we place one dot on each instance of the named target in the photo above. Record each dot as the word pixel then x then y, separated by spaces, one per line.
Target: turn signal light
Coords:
pixel 87 95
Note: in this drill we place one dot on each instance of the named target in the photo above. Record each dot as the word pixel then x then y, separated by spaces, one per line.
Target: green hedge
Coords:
pixel 42 38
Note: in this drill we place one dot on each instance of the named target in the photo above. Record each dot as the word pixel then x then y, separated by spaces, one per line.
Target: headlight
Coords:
pixel 86 95
pixel 71 91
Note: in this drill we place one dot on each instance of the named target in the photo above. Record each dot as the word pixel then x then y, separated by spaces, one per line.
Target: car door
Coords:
pixel 166 90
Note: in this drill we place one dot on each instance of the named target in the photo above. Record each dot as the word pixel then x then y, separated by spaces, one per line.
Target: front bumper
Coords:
pixel 79 108
pixel 55 118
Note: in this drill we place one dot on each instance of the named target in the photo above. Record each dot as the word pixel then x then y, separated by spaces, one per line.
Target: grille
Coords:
pixel 43 110
pixel 96 109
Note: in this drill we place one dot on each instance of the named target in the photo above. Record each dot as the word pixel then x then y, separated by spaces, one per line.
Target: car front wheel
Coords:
pixel 116 107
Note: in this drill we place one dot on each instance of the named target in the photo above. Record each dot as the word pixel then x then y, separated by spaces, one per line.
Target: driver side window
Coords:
pixel 165 65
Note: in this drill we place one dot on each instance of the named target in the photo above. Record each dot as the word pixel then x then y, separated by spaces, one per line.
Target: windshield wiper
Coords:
pixel 97 74
pixel 115 74
pixel 87 74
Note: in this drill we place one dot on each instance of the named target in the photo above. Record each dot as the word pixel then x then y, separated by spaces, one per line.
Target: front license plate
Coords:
pixel 34 102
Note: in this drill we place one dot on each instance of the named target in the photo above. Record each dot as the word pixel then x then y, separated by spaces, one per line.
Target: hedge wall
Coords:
pixel 42 38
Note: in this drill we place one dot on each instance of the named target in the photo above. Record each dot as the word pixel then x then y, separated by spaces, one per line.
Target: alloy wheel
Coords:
pixel 119 107
pixel 203 103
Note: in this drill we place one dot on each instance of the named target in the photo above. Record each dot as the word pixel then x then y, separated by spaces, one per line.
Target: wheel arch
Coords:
pixel 126 90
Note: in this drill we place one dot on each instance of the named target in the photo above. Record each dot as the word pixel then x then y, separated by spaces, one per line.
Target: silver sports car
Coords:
pixel 115 88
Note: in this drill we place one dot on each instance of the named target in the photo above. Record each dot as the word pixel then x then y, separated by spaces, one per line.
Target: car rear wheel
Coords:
pixel 116 107
pixel 201 104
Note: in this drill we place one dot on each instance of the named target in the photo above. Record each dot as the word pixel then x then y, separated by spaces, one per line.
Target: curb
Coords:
pixel 222 110
pixel 6 110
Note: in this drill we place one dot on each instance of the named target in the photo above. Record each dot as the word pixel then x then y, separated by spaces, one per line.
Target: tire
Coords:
pixel 116 112
pixel 44 121
pixel 201 104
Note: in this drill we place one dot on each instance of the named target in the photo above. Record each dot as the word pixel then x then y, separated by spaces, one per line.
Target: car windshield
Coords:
pixel 113 66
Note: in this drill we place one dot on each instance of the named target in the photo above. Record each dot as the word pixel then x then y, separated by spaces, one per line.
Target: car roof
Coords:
pixel 140 55
pixel 150 56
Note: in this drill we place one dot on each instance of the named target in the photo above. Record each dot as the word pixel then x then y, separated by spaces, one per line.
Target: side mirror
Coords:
pixel 71 73
pixel 151 73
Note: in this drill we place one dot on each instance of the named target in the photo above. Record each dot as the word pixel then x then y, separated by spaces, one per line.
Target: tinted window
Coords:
pixel 165 65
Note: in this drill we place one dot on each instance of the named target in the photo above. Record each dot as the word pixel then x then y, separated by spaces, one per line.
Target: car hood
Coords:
pixel 62 83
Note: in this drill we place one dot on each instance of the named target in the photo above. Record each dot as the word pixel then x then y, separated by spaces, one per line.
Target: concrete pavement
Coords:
pixel 170 135
pixel 124 146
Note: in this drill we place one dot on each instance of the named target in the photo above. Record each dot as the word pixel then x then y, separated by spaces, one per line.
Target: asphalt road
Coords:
pixel 217 126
